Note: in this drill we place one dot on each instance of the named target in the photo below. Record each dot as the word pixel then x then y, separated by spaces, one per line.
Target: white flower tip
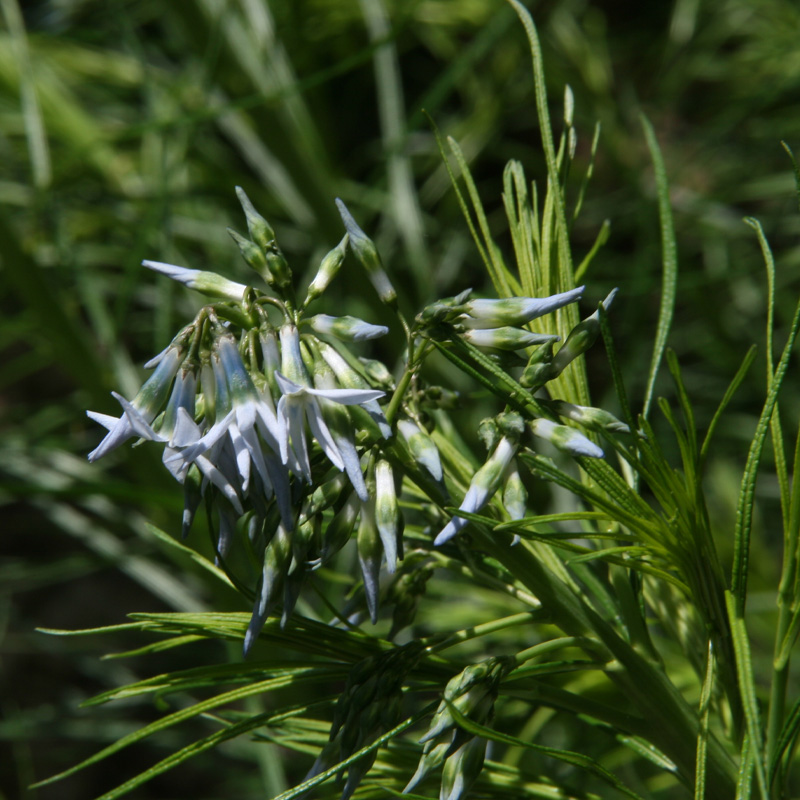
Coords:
pixel 585 447
pixel 449 531
pixel 172 271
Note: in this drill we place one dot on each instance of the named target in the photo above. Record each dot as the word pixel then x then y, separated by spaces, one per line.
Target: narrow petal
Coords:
pixel 220 481
pixel 322 434
pixel 106 420
pixel 347 397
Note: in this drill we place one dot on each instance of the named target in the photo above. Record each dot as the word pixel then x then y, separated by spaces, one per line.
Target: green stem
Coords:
pixel 399 393
pixel 485 629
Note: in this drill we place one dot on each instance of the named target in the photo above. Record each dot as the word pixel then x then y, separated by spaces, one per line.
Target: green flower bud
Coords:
pixel 365 251
pixel 277 557
pixel 515 496
pixel 378 373
pixel 252 254
pixel 507 338
pixel 328 269
pixel 387 513
pixel 260 230
pixel 593 418
pixel 405 593
pixel 433 754
pixel 422 448
pixel 539 369
pixel 277 268
pixel 340 528
pixel 581 338
pixel 447 310
pixel 370 552
pixel 461 769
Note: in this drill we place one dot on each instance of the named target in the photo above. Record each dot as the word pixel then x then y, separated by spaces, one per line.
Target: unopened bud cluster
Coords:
pixel 472 694
pixel 370 705
pixel 261 408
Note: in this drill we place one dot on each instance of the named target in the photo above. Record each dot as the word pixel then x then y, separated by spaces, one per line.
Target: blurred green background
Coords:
pixel 126 124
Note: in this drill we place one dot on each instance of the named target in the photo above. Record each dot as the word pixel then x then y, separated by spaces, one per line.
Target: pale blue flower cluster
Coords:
pixel 253 413
pixel 264 410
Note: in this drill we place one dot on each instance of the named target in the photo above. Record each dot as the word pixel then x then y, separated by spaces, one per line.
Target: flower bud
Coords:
pixel 422 448
pixel 387 512
pixel 370 552
pixel 205 282
pixel 461 769
pixel 484 484
pixel 277 556
pixel 593 418
pixel 350 379
pixel 252 254
pixel 367 254
pixel 328 269
pixel 378 373
pixel 581 338
pixel 340 528
pixel 260 230
pixel 507 338
pixel 348 329
pixel 277 268
pixel 565 438
pixel 514 311
pixel 515 496
pixel 447 310
pixel 405 593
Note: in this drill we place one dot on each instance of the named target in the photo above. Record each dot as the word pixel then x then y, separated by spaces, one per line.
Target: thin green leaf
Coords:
pixel 744 510
pixel 775 421
pixel 786 741
pixel 796 168
pixel 600 240
pixel 702 736
pixel 177 717
pixel 196 557
pixel 727 397
pixel 747 687
pixel 669 257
